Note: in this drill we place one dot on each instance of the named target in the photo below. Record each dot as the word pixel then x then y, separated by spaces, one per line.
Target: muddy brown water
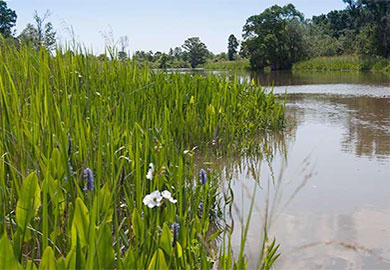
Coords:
pixel 327 185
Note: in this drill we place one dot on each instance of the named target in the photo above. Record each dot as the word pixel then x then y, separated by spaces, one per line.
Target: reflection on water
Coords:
pixel 282 78
pixel 338 157
pixel 290 78
pixel 368 132
pixel 365 120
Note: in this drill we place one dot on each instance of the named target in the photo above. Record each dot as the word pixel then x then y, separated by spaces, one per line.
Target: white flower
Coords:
pixel 153 199
pixel 149 175
pixel 167 195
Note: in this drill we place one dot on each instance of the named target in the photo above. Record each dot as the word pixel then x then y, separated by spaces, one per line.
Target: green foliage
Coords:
pixel 28 202
pixel 7 19
pixel 363 28
pixel 175 59
pixel 232 47
pixel 228 65
pixel 48 261
pixel 345 63
pixel 196 51
pixel 76 111
pixel 40 34
pixel 7 256
pixel 269 254
pixel 274 38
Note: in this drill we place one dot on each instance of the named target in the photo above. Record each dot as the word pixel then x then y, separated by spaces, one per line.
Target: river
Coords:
pixel 327 185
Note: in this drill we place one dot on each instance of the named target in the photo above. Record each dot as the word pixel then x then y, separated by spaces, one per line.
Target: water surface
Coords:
pixel 328 187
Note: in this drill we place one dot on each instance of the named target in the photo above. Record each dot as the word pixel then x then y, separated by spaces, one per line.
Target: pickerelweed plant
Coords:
pixel 77 137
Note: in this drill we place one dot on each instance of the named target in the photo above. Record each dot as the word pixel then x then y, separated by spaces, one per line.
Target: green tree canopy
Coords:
pixel 274 38
pixel 40 33
pixel 7 19
pixel 232 47
pixel 374 15
pixel 196 51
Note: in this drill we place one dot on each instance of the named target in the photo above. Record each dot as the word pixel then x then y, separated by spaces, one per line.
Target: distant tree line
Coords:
pixel 275 38
pixel 37 34
pixel 279 36
pixel 193 53
pixel 362 28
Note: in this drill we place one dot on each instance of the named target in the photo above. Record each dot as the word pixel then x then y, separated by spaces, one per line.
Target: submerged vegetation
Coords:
pixel 97 167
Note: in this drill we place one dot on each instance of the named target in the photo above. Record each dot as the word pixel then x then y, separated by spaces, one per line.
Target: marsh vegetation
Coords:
pixel 97 164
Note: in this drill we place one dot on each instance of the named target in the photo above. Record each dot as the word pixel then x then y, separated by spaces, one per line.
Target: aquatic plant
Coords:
pixel 150 172
pixel 120 120
pixel 88 175
pixel 203 176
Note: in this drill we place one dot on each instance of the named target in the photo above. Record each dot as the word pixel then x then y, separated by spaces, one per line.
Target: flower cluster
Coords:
pixel 175 227
pixel 203 176
pixel 156 198
pixel 149 175
pixel 88 175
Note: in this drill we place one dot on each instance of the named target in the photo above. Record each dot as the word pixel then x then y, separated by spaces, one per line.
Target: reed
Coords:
pixel 86 144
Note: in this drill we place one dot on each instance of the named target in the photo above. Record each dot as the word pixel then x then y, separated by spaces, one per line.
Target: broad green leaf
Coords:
pixel 75 258
pixel 61 263
pixel 138 224
pixel 48 261
pixel 179 250
pixel 129 262
pixel 7 256
pixel 29 201
pixel 105 206
pixel 80 223
pixel 166 239
pixel 30 265
pixel 70 260
pixel 158 261
pixel 56 194
pixel 105 252
pixel 55 164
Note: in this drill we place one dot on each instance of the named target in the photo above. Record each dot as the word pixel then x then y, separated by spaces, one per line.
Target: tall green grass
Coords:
pixel 347 62
pixel 63 113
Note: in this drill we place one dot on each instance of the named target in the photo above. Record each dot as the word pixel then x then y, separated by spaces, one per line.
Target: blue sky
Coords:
pixel 156 24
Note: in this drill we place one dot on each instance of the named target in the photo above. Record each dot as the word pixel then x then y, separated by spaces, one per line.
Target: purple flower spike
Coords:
pixel 200 209
pixel 88 175
pixel 203 176
pixel 175 232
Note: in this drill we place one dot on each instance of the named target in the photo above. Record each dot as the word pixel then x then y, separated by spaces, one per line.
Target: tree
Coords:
pixel 163 61
pixel 196 51
pixel 274 38
pixel 124 43
pixel 7 19
pixel 335 23
pixel 376 15
pixel 41 34
pixel 232 47
pixel 319 41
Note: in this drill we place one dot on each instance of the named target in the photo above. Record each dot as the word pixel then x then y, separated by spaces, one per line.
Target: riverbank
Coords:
pixel 331 63
pixel 229 65
pixel 349 62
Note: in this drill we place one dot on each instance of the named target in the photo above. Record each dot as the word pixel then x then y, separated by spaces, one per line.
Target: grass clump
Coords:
pixel 96 168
